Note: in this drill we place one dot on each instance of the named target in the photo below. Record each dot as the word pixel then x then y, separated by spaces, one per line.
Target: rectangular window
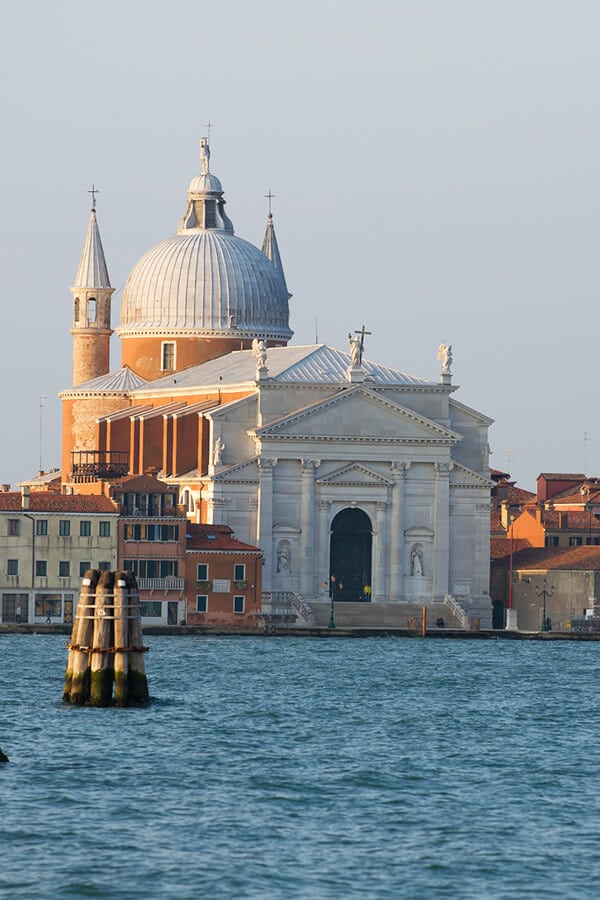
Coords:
pixel 41 568
pixel 41 526
pixel 238 604
pixel 85 529
pixel 202 572
pixel 151 609
pixel 239 572
pixel 83 567
pixel 64 527
pixel 14 527
pixel 201 603
pixel 168 568
pixel 551 540
pixel 575 541
pixel 104 566
pixel 168 356
pixel 104 529
pixel 64 568
pixel 12 566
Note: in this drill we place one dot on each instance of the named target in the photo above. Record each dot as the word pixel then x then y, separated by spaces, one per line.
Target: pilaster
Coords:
pixel 308 573
pixel 441 549
pixel 397 526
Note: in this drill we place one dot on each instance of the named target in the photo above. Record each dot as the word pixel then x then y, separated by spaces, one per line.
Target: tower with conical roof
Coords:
pixel 92 293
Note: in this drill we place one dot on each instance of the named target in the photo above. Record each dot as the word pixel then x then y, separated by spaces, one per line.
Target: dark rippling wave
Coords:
pixel 294 767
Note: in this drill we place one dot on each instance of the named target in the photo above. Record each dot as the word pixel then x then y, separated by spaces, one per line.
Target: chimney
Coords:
pixel 5 488
pixel 24 497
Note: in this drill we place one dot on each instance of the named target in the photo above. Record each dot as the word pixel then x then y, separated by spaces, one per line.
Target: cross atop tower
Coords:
pixel 208 127
pixel 270 197
pixel 93 191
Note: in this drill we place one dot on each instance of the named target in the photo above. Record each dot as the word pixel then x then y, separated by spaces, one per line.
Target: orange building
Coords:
pixel 223 578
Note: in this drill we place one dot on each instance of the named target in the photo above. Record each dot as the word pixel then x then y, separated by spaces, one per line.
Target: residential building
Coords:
pixel 152 532
pixel 47 541
pixel 223 578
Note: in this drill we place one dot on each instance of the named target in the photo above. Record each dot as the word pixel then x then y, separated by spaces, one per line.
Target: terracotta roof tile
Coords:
pixel 500 547
pixel 215 537
pixel 569 558
pixel 48 501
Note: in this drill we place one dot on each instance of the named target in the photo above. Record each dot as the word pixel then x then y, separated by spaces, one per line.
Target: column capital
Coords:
pixel 399 469
pixel 309 466
pixel 382 505
pixel 324 504
pixel 442 470
pixel 266 466
pixel 218 502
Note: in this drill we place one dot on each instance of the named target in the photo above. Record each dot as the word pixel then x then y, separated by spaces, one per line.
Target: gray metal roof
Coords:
pixel 205 280
pixel 92 271
pixel 315 363
pixel 121 381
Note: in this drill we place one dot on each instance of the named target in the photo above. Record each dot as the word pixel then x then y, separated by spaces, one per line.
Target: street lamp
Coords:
pixel 331 625
pixel 544 592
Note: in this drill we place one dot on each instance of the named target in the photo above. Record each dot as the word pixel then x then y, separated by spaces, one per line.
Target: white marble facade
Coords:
pixel 296 452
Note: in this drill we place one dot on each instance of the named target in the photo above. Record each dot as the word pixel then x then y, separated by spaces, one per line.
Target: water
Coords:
pixel 295 767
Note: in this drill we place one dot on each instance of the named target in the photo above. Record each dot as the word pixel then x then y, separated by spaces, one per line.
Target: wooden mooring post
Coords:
pixel 105 650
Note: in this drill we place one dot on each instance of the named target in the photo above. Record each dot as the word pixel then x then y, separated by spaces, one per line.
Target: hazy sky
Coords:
pixel 436 171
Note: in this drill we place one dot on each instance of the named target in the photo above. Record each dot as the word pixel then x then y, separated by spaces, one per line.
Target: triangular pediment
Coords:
pixel 354 474
pixel 359 415
pixel 243 473
pixel 461 476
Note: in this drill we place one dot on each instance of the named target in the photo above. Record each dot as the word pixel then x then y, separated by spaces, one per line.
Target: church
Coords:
pixel 354 479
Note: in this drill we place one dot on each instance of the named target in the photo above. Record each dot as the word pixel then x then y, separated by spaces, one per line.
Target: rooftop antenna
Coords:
pixel 93 191
pixel 586 440
pixel 316 330
pixel 42 398
pixel 509 454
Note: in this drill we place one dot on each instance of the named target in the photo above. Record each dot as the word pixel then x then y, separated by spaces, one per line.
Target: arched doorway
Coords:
pixel 350 555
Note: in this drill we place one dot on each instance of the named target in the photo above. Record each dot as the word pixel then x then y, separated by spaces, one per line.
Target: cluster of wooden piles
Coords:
pixel 105 650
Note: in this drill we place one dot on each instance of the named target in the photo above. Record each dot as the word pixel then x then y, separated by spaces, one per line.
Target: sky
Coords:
pixel 435 166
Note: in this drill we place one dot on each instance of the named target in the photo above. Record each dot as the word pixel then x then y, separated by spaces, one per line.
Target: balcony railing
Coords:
pixel 135 512
pixel 171 583
pixel 94 465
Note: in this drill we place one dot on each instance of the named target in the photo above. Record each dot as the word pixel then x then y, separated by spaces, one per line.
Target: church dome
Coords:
pixel 205 281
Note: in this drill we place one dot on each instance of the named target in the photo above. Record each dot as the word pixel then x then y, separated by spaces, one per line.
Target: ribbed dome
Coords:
pixel 209 282
pixel 205 280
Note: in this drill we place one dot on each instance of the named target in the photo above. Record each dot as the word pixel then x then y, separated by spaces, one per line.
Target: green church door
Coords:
pixel 350 555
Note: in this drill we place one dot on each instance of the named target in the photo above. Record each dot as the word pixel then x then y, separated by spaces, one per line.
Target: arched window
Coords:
pixel 76 310
pixel 187 500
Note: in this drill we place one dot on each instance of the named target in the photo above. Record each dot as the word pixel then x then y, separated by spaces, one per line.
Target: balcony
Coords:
pixel 98 465
pixel 149 512
pixel 171 583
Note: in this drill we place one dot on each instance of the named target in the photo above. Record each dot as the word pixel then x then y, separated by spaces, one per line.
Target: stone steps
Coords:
pixel 380 615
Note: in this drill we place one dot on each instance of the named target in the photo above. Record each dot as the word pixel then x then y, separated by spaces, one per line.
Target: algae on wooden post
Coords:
pixel 137 683
pixel 106 643
pixel 77 676
pixel 122 639
pixel 101 669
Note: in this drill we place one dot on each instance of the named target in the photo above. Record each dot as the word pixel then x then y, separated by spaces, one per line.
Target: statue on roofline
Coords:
pixel 445 355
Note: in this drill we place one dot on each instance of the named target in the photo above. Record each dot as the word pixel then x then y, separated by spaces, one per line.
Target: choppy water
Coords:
pixel 294 767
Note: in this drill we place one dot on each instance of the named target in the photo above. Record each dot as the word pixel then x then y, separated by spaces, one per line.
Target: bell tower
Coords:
pixel 91 307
